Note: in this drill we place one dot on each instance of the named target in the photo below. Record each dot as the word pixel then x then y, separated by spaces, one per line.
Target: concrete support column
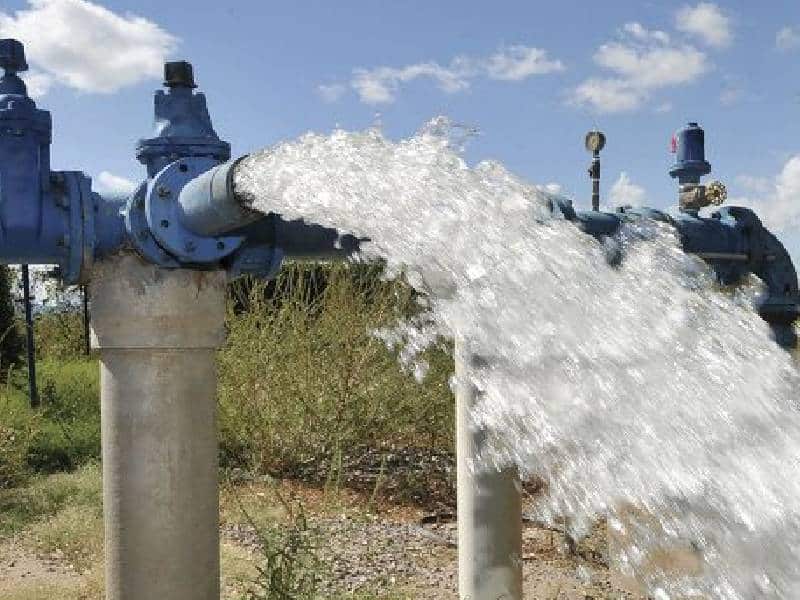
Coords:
pixel 489 506
pixel 157 331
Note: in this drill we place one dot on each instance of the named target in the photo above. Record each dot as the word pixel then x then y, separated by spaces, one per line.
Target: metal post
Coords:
pixel 157 331
pixel 87 346
pixel 489 506
pixel 31 343
pixel 595 172
pixel 594 142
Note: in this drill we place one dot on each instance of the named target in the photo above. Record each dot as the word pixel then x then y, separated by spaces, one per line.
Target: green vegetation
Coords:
pixel 60 436
pixel 60 335
pixel 303 379
pixel 11 342
pixel 303 376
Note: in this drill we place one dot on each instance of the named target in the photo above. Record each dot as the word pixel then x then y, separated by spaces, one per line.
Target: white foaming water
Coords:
pixel 637 392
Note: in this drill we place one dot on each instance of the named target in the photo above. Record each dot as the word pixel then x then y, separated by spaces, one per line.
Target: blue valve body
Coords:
pixel 690 155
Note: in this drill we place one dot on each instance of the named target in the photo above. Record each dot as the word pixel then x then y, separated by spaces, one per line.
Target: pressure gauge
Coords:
pixel 595 140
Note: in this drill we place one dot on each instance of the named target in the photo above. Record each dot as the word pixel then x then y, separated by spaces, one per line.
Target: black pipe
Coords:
pixel 594 172
pixel 87 348
pixel 31 347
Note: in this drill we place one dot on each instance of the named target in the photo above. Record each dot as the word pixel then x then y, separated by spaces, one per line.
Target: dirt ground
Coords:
pixel 391 550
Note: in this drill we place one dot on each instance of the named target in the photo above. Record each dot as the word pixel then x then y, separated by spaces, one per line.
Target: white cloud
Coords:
pixel 706 21
pixel 608 95
pixel 652 66
pixel 381 85
pixel 86 46
pixel 639 32
pixel 788 38
pixel 332 92
pixel 774 200
pixel 38 83
pixel 641 63
pixel 520 62
pixel 625 192
pixel 114 185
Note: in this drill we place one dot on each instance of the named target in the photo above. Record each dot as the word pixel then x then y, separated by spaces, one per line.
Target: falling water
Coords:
pixel 638 392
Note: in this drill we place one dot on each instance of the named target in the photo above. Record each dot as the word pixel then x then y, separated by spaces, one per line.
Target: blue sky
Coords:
pixel 532 76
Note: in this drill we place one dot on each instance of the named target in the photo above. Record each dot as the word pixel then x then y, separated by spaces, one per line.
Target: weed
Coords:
pixel 287 567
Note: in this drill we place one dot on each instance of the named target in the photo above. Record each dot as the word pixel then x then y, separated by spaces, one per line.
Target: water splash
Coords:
pixel 637 392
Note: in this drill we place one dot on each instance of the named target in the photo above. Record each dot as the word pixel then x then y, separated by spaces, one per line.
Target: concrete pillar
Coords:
pixel 157 331
pixel 489 506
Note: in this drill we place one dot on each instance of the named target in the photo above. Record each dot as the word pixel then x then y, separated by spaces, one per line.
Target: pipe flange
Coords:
pixel 139 232
pixel 162 210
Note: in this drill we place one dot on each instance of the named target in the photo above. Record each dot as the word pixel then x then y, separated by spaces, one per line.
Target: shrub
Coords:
pixel 11 342
pixel 303 376
pixel 59 335
pixel 68 433
pixel 17 426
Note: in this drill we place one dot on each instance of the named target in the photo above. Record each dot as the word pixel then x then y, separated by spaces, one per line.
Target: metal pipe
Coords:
pixel 489 504
pixel 157 331
pixel 30 339
pixel 209 206
pixel 594 170
pixel 87 345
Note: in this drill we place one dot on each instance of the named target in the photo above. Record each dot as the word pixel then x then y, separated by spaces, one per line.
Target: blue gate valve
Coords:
pixel 184 215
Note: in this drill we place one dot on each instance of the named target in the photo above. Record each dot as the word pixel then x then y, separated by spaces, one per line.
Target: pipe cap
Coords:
pixel 12 56
pixel 179 74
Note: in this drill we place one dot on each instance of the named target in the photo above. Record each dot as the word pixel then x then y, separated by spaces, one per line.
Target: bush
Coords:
pixel 11 342
pixel 60 335
pixel 62 434
pixel 68 431
pixel 17 426
pixel 302 375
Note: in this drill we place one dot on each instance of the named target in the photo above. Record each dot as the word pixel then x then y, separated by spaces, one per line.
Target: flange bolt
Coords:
pixel 12 56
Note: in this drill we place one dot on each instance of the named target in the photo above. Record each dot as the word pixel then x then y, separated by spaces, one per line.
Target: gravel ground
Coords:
pixel 19 567
pixel 367 553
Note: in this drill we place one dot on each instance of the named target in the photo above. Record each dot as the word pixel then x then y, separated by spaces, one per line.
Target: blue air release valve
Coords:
pixel 732 240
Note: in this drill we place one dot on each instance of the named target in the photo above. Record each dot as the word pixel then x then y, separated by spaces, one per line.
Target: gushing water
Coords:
pixel 638 392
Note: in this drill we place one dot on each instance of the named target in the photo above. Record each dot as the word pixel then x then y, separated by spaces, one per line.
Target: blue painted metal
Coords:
pixel 182 125
pixel 732 240
pixel 690 163
pixel 45 216
pixel 188 214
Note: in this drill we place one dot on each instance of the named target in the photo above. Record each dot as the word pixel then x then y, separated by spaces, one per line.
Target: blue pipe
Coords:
pixel 732 240
pixel 187 214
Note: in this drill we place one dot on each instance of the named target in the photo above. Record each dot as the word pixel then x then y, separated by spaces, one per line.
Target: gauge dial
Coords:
pixel 595 140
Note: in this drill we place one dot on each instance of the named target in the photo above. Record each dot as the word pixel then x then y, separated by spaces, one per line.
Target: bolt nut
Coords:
pixel 190 246
pixel 163 191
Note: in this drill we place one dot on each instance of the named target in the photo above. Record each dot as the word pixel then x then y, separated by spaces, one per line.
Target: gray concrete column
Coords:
pixel 157 331
pixel 489 506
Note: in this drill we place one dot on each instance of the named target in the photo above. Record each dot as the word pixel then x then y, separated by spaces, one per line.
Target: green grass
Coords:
pixel 63 434
pixel 47 496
